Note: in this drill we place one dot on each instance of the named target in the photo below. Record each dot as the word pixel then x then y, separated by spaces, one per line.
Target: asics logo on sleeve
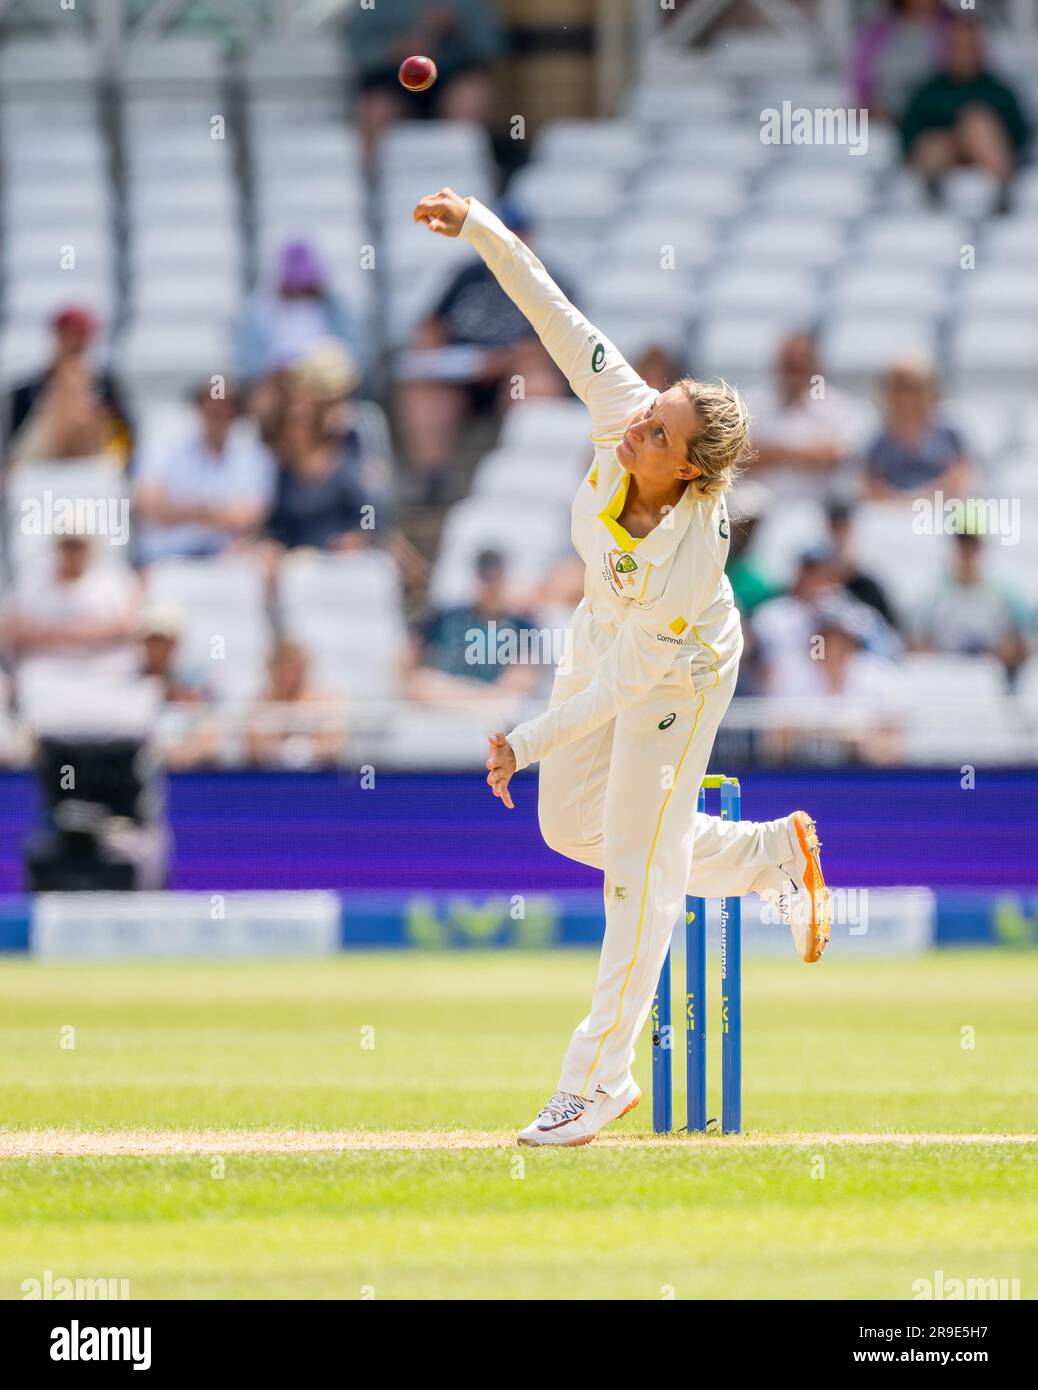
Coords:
pixel 598 357
pixel 666 723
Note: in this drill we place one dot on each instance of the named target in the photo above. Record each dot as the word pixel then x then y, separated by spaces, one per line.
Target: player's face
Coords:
pixel 655 443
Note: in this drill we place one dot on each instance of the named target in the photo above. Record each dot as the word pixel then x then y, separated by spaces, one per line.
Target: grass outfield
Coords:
pixel 234 1130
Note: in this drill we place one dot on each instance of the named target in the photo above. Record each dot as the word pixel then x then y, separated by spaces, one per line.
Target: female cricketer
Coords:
pixel 656 640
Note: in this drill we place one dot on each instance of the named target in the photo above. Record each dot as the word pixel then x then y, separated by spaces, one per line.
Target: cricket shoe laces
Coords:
pixel 563 1107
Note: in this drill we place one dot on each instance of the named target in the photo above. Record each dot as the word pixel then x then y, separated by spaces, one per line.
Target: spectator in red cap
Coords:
pixel 70 410
pixel 280 325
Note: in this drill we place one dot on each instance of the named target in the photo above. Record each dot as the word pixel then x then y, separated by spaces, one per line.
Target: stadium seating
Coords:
pixel 675 224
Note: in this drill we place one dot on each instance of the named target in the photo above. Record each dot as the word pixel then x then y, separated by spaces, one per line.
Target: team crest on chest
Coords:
pixel 621 570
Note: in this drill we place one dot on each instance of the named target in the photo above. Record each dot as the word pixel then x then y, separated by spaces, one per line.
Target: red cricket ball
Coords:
pixel 417 73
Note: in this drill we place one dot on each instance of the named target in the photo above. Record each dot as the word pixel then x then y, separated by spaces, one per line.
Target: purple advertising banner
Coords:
pixel 238 830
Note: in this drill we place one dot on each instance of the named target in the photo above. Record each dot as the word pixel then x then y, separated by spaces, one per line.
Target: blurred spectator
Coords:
pixel 802 429
pixel 161 626
pixel 972 615
pixel 70 410
pixel 206 490
pixel 336 487
pixel 784 626
pixel 464 356
pixel 462 37
pixel 279 325
pixel 81 614
pixel 866 689
pixel 894 52
pixel 188 732
pixel 748 504
pixel 862 586
pixel 294 725
pixel 556 598
pixel 913 451
pixel 964 114
pixel 328 376
pixel 659 365
pixel 320 496
pixel 458 652
pixel 751 585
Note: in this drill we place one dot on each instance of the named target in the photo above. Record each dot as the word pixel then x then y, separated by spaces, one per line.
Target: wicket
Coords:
pixel 695 1004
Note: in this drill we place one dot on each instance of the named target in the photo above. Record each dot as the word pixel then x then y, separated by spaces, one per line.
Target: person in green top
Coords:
pixel 964 114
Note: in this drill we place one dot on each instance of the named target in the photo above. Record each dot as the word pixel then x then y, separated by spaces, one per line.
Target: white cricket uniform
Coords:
pixel 626 739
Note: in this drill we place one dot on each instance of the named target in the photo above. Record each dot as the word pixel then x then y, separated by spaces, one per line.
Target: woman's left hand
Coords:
pixel 501 768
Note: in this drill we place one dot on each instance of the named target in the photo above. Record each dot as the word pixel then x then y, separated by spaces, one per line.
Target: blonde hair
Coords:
pixel 722 442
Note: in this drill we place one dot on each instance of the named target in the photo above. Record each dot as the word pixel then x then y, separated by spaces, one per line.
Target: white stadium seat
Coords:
pixel 761 53
pixel 784 534
pixel 746 290
pixel 159 296
pixel 169 65
pixel 31 66
pixel 859 345
pixel 287 65
pixel 796 241
pixel 841 194
pixel 329 149
pixel 563 426
pixel 1006 291
pixel 971 192
pixel 658 100
pixel 49 206
pixel 646 244
pixel 1001 351
pixel 940 678
pixel 530 539
pixel 708 195
pixel 932 239
pixel 521 474
pixel 601 145
pixel 35 298
pixel 623 291
pixel 366 582
pixel 149 357
pixel 353 653
pixel 554 191
pixel 740 348
pixel 876 287
pixel 986 421
pixel 1011 241
pixel 416 147
pixel 701 146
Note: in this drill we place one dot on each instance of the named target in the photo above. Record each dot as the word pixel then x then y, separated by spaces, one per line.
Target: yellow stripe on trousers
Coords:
pixel 645 893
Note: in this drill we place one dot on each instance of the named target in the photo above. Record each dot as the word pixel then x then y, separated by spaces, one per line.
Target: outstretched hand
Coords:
pixel 443 212
pixel 501 765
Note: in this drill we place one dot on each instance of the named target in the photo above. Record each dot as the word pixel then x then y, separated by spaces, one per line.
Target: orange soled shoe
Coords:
pixel 807 906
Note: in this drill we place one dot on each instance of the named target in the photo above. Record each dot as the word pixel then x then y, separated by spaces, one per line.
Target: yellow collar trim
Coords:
pixel 612 510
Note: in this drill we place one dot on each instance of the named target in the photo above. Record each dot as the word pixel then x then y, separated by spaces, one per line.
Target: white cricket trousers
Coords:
pixel 624 799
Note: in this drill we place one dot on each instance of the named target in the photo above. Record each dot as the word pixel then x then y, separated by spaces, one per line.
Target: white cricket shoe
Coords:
pixel 806 905
pixel 569 1120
